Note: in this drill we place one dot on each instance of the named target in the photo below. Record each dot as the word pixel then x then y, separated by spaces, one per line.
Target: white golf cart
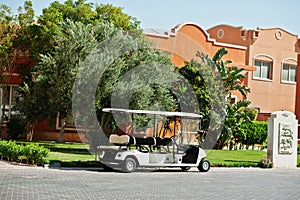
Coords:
pixel 132 150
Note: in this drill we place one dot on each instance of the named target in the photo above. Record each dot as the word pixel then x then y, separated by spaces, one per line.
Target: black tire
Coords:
pixel 185 168
pixel 129 165
pixel 204 165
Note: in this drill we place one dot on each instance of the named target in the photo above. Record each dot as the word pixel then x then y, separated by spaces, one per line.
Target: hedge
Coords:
pixel 30 154
pixel 251 133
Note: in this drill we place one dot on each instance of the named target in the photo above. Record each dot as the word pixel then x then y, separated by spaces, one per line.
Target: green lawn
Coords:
pixel 73 154
pixel 237 158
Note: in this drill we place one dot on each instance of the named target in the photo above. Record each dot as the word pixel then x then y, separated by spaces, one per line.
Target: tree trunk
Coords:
pixel 62 130
pixel 3 102
pixel 30 132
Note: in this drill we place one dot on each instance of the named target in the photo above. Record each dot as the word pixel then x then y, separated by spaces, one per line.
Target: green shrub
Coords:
pixel 250 133
pixel 4 148
pixel 16 127
pixel 9 150
pixel 35 154
pixel 250 112
pixel 236 164
pixel 31 153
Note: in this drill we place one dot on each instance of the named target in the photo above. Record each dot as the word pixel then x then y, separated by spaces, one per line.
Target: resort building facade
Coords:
pixel 270 58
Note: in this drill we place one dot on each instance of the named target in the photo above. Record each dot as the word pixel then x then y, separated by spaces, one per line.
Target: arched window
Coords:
pixel 288 74
pixel 264 67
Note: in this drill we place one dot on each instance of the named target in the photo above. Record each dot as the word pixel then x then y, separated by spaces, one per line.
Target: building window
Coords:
pixel 8 94
pixel 263 69
pixel 70 125
pixel 288 73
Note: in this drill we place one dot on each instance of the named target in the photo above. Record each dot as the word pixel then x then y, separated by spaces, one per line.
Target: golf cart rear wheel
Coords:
pixel 129 165
pixel 185 168
pixel 204 165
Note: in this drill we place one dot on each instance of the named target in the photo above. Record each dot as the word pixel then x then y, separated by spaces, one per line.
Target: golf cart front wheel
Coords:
pixel 129 165
pixel 204 165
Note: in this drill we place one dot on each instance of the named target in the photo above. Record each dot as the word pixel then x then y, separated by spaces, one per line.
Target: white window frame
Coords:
pixel 290 62
pixel 10 99
pixel 289 66
pixel 260 77
pixel 69 127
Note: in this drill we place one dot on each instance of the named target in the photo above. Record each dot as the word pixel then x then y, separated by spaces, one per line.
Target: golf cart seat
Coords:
pixel 120 140
pixel 126 140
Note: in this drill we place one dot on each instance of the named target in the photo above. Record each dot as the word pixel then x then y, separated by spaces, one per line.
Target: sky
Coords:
pixel 168 13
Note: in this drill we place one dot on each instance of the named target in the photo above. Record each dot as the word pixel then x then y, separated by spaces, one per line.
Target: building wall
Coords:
pixel 186 39
pixel 273 45
pixel 274 94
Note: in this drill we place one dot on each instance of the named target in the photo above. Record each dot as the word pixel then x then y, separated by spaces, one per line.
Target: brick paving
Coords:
pixel 23 182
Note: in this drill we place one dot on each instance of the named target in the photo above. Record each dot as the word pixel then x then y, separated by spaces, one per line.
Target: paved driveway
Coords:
pixel 22 182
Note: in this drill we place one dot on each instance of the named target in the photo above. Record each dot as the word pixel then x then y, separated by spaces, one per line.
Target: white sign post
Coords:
pixel 282 139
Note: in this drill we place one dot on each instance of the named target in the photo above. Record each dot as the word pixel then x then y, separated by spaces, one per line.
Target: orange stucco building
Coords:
pixel 186 39
pixel 270 57
pixel 274 53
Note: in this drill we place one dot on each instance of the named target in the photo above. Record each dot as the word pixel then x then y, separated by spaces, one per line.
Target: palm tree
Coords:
pixel 231 76
pixel 231 79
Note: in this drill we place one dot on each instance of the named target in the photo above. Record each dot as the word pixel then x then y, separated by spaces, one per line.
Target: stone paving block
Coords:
pixel 22 182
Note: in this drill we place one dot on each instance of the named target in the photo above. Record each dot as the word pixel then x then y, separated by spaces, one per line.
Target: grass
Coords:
pixel 237 158
pixel 77 154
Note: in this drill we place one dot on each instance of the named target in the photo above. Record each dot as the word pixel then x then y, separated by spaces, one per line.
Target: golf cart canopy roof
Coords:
pixel 150 112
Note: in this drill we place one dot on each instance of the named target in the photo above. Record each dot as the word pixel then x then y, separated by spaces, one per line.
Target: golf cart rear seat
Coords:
pixel 126 140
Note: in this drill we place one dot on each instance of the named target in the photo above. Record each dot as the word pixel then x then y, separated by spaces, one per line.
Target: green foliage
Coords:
pixel 83 12
pixel 16 127
pixel 235 115
pixel 250 133
pixel 35 154
pixel 9 31
pixel 54 76
pixel 251 113
pixel 191 72
pixel 213 82
pixel 65 35
pixel 231 76
pixel 15 41
pixel 116 16
pixel 58 71
pixel 151 97
pixel 26 14
pixel 210 96
pixel 31 153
